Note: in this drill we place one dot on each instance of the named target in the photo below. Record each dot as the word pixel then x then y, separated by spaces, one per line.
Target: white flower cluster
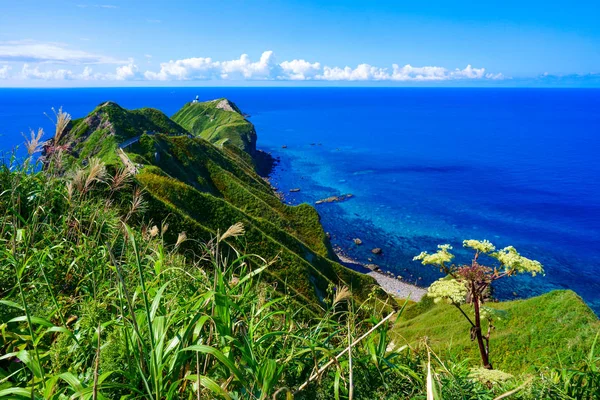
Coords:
pixel 450 290
pixel 492 376
pixel 510 258
pixel 440 257
pixel 481 246
pixel 493 313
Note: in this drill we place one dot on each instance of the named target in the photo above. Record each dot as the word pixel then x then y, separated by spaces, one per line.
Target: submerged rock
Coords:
pixel 377 251
pixel 373 267
pixel 335 199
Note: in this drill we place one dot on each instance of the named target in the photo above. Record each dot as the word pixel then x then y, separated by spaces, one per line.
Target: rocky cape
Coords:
pixel 201 173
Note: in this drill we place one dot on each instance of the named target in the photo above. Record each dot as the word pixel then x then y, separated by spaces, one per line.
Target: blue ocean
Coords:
pixel 426 166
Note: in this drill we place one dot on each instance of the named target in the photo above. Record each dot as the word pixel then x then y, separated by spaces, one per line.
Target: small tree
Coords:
pixel 468 284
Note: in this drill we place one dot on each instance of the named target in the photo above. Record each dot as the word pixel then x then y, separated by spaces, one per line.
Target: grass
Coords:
pixel 547 331
pixel 192 280
pixel 223 188
pixel 109 124
pixel 92 307
pixel 216 125
pixel 220 190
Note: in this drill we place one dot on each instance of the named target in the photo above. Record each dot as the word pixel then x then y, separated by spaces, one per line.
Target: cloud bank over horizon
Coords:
pixel 28 60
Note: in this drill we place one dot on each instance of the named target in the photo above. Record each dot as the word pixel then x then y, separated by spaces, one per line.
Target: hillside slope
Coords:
pixel 108 125
pixel 544 331
pixel 201 188
pixel 218 121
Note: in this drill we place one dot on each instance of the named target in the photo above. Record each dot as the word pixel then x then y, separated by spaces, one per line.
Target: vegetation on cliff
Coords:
pixel 218 121
pixel 186 277
pixel 202 188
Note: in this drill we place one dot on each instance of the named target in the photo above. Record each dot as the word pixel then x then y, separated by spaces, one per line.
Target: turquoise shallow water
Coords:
pixel 426 166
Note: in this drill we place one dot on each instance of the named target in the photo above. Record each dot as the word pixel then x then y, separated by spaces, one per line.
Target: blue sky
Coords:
pixel 124 43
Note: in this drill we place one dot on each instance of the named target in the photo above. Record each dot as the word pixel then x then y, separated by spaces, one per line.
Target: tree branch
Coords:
pixel 463 313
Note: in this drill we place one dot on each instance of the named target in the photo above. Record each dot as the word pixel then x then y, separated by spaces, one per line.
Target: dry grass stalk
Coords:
pixel 96 173
pixel 318 373
pixel 70 189
pixel 120 179
pixel 137 203
pixel 181 238
pixel 33 144
pixel 61 120
pixel 234 230
pixel 341 295
pixel 79 178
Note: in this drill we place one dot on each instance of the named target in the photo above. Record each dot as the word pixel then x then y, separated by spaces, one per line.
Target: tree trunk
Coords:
pixel 482 351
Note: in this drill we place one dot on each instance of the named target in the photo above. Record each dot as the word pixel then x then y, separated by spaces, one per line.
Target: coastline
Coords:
pixel 392 286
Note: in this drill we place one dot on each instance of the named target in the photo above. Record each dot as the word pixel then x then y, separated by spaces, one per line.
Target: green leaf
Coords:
pixel 12 304
pixel 219 356
pixel 268 375
pixel 34 320
pixel 15 391
pixel 73 382
pixel 30 362
pixel 210 385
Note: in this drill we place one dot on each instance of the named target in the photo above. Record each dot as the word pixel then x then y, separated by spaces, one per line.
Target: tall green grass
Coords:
pixel 96 303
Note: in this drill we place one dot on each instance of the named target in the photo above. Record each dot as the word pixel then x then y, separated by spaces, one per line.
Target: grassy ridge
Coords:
pixel 94 304
pixel 305 271
pixel 108 125
pixel 206 188
pixel 99 299
pixel 207 121
pixel 538 332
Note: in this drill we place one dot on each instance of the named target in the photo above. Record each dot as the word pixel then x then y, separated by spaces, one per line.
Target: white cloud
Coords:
pixel 201 68
pixel 363 72
pixel 410 73
pixel 49 75
pixel 29 51
pixel 268 69
pixel 187 69
pixel 495 77
pixel 127 72
pixel 470 72
pixel 205 68
pixel 265 68
pixel 300 69
pixel 124 72
pixel 4 71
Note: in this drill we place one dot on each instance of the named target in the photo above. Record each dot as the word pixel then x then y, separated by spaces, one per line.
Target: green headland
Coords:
pixel 146 256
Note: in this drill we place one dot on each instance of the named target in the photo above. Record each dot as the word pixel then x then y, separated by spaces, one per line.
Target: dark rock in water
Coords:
pixel 328 235
pixel 295 190
pixel 373 267
pixel 377 250
pixel 335 199
pixel 357 241
pixel 284 147
pixel 312 144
